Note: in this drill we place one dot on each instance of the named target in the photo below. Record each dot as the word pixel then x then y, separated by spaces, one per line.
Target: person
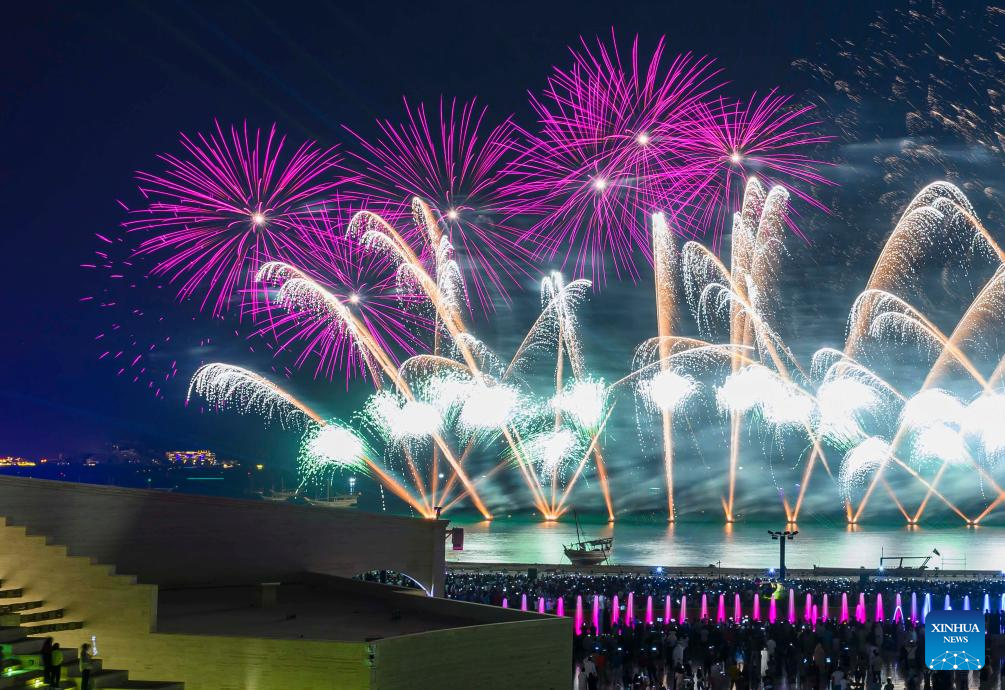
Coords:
pixel 54 672
pixel 85 666
pixel 46 654
pixel 590 673
pixel 889 684
pixel 837 679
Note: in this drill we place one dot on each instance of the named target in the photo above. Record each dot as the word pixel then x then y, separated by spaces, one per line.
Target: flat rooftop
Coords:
pixel 301 611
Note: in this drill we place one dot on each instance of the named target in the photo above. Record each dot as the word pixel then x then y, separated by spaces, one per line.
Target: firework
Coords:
pixel 375 277
pixel 606 154
pixel 930 408
pixel 842 402
pixel 982 419
pixel 488 407
pixel 730 142
pixel 862 461
pixel 226 386
pixel 454 161
pixel 329 449
pixel 226 205
pixel 315 317
pixel 136 335
pixel 668 389
pixel 435 414
pixel 906 70
pixel 621 140
pixel 402 420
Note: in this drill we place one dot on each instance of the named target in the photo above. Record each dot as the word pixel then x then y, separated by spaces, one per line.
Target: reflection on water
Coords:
pixel 738 546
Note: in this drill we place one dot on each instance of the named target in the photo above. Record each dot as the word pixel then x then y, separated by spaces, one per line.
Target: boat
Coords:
pixel 337 501
pixel 588 551
pixel 319 500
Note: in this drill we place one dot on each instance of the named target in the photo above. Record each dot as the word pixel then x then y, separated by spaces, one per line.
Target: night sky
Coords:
pixel 93 91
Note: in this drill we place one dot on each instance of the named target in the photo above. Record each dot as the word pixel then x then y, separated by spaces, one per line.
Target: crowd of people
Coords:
pixel 626 646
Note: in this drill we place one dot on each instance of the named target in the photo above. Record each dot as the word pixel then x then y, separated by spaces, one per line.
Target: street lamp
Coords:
pixel 782 537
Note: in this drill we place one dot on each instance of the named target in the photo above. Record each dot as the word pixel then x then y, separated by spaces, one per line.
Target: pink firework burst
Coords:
pixel 365 284
pixel 454 161
pixel 727 142
pixel 608 152
pixel 230 203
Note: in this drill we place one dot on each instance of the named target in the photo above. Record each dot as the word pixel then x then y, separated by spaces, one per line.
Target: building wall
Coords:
pixel 498 648
pixel 112 606
pixel 499 656
pixel 534 650
pixel 206 662
pixel 175 539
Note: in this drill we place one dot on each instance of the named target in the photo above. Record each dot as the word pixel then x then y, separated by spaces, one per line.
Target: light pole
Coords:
pixel 782 537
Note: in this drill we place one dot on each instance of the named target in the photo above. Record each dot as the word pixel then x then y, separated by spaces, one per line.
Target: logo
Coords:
pixel 954 640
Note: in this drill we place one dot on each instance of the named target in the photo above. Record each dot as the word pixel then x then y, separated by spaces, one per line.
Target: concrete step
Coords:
pixel 16 606
pixel 14 593
pixel 21 679
pixel 109 678
pixel 147 685
pixel 46 628
pixel 30 616
pixel 73 670
pixel 37 616
pixel 11 633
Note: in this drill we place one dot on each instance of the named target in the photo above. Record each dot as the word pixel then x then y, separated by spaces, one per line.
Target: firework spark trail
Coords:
pixel 985 312
pixel 379 233
pixel 750 278
pixel 730 143
pixel 306 289
pixel 934 73
pixel 455 163
pixel 384 235
pixel 753 265
pixel 559 508
pixel 603 159
pixel 560 299
pixel 620 140
pixel 664 262
pixel 364 283
pixel 228 206
pixel 898 256
pixel 226 385
pixel 577 412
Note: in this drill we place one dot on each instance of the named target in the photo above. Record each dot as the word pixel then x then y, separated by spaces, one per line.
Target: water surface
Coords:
pixel 741 546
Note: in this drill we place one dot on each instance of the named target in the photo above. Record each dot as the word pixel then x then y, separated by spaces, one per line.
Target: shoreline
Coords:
pixel 724 572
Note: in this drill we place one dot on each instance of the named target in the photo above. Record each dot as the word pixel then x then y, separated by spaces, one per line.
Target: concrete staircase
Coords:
pixel 24 624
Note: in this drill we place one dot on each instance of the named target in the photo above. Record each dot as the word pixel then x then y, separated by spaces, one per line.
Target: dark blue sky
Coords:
pixel 93 91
